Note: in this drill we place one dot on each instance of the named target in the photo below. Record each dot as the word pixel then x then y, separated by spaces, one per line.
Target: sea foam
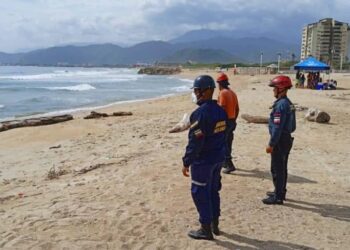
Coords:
pixel 116 75
pixel 80 87
pixel 182 88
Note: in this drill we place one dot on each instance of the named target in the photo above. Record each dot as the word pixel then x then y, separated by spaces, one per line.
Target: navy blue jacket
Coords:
pixel 282 119
pixel 206 138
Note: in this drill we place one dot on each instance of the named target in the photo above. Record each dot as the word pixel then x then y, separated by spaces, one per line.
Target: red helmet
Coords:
pixel 222 78
pixel 281 82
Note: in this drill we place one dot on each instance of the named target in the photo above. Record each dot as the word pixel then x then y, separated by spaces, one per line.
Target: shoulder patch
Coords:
pixel 220 127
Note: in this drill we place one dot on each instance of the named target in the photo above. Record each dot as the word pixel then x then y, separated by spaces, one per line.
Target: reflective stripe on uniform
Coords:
pixel 198 133
pixel 220 127
pixel 194 124
pixel 199 183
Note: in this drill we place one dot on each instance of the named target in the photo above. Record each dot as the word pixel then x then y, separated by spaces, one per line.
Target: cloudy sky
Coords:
pixel 28 24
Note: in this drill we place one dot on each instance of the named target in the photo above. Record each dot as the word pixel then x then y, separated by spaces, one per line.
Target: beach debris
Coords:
pixel 316 115
pixel 96 115
pixel 299 107
pixel 6 181
pixel 121 113
pixel 30 122
pixel 182 125
pixel 340 96
pixel 21 195
pixel 9 197
pixel 255 119
pixel 54 174
pixel 54 147
pixel 92 167
pixel 159 70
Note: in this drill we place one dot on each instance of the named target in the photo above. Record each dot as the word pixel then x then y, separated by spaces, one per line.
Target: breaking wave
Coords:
pixel 182 88
pixel 80 87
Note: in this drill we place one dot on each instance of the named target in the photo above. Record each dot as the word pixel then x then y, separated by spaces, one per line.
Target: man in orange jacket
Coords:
pixel 229 102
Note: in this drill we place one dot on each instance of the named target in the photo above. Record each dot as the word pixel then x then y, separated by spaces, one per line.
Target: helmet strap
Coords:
pixel 281 92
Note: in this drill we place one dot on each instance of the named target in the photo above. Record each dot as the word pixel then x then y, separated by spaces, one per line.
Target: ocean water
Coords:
pixel 27 91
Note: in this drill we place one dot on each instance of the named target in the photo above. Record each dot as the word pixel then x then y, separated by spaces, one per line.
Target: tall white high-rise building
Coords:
pixel 327 40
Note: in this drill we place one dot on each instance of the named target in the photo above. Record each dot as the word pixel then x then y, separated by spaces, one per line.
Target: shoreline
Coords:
pixel 77 111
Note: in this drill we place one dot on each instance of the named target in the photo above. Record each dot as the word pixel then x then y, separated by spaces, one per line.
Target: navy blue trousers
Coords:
pixel 206 184
pixel 279 164
pixel 229 136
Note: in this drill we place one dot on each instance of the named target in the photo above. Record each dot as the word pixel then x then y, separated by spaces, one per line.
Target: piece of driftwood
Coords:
pixel 316 115
pixel 255 119
pixel 54 147
pixel 92 167
pixel 299 107
pixel 182 125
pixel 54 173
pixel 121 113
pixel 45 120
pixel 96 115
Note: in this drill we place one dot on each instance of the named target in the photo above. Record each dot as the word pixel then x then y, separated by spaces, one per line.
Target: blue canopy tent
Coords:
pixel 311 64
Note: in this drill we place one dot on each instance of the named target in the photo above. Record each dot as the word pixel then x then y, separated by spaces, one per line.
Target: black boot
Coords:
pixel 269 193
pixel 272 200
pixel 230 167
pixel 215 226
pixel 204 233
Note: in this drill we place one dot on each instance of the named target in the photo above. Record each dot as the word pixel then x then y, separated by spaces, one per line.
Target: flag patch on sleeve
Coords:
pixel 277 118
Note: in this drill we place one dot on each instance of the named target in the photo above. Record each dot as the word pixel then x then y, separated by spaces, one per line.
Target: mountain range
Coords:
pixel 202 46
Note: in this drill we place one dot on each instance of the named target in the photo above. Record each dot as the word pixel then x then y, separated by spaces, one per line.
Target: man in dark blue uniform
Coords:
pixel 205 154
pixel 281 125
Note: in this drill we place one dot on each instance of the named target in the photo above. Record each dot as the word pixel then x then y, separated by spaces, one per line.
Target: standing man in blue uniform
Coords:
pixel 281 125
pixel 205 154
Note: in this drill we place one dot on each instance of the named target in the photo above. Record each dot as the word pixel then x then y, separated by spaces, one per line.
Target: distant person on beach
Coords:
pixel 205 154
pixel 281 124
pixel 229 102
pixel 332 84
pixel 302 80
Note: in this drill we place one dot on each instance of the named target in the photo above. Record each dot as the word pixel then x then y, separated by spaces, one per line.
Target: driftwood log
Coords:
pixel 121 113
pixel 45 120
pixel 92 167
pixel 96 115
pixel 255 119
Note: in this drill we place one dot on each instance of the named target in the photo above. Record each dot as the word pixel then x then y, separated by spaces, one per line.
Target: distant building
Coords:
pixel 327 40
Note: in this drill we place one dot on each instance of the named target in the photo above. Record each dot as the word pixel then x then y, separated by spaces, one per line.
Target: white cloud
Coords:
pixel 42 23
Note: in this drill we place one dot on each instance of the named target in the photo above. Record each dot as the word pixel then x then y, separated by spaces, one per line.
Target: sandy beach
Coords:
pixel 136 196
